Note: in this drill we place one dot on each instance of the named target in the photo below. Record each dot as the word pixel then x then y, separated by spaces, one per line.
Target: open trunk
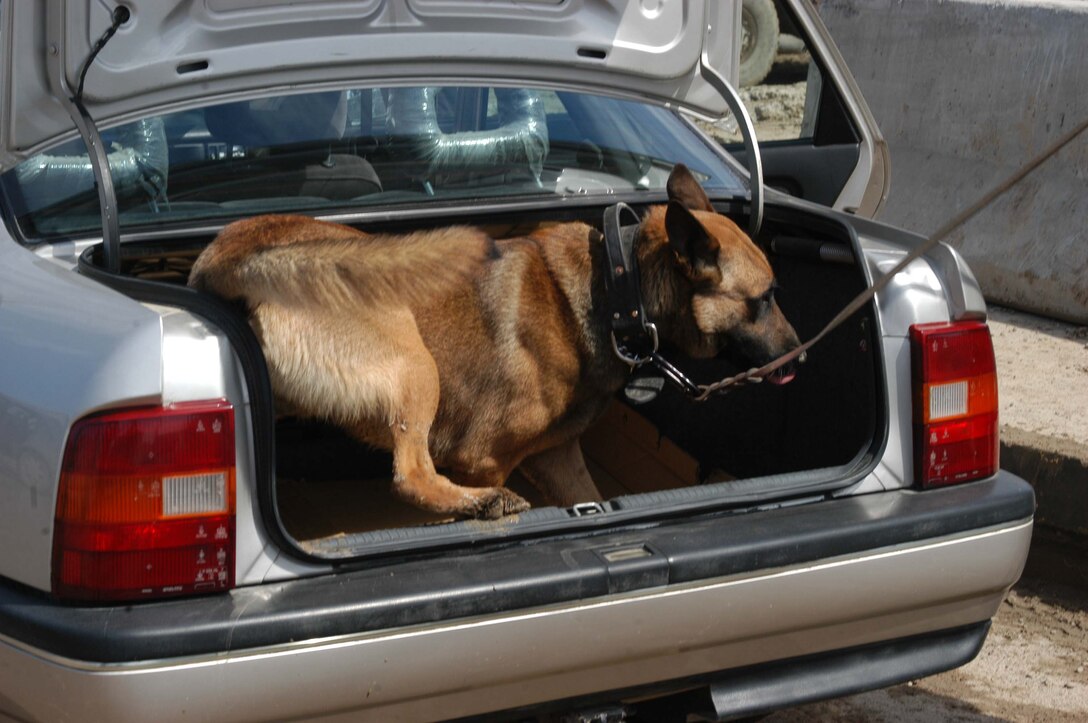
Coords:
pixel 761 444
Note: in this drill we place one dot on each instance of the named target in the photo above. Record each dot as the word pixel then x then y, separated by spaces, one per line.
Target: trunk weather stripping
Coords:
pixel 107 196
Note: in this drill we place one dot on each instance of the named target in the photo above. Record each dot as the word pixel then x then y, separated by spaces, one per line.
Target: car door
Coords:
pixel 818 139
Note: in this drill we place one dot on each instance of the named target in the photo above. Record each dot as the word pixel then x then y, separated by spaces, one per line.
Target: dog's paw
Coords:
pixel 498 502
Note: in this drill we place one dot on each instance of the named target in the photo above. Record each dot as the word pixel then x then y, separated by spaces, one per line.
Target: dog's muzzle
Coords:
pixel 786 373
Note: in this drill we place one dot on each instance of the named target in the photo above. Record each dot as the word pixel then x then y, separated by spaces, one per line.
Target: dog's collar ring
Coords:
pixel 635 360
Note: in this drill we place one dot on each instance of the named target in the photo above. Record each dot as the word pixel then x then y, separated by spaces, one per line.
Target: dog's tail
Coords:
pixel 297 260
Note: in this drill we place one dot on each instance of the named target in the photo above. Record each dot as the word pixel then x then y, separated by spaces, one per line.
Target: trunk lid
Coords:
pixel 170 54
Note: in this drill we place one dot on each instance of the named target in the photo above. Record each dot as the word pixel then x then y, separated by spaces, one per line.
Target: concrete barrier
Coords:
pixel 966 91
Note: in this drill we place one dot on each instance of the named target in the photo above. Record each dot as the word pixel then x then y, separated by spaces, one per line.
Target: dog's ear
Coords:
pixel 696 249
pixel 683 187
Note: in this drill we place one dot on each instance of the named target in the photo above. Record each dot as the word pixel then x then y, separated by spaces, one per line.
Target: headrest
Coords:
pixel 281 120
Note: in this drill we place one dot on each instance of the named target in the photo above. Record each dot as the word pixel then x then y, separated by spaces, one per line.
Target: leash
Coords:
pixel 643 334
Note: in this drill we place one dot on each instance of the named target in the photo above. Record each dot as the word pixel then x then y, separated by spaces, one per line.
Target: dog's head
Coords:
pixel 733 309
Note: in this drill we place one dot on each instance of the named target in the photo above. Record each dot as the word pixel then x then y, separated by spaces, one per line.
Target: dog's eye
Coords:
pixel 761 304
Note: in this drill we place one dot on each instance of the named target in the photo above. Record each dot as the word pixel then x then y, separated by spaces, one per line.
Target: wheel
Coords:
pixel 759 40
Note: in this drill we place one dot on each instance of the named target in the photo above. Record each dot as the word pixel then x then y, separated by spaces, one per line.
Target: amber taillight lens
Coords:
pixel 145 507
pixel 955 402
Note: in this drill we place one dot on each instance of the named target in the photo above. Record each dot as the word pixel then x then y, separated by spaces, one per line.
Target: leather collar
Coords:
pixel 634 337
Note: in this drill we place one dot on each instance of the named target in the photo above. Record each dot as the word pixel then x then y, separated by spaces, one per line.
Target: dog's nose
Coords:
pixel 802 357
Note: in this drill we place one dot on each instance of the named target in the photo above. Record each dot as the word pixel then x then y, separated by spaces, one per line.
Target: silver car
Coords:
pixel 171 547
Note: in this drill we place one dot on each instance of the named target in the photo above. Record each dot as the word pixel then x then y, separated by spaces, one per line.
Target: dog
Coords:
pixel 479 356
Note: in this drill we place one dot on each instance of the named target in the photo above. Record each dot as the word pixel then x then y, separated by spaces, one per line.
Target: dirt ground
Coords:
pixel 1033 668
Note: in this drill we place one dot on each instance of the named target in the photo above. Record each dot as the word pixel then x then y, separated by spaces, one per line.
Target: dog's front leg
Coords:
pixel 404 380
pixel 416 481
pixel 560 474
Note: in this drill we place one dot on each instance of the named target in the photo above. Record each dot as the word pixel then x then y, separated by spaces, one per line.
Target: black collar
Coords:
pixel 634 335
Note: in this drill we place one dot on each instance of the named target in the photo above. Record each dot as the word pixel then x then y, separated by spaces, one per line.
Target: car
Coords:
pixel 173 545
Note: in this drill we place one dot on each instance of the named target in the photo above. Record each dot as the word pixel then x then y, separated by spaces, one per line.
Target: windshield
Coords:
pixel 360 149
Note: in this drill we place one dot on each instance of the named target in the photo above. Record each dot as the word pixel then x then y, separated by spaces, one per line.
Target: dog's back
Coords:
pixel 297 260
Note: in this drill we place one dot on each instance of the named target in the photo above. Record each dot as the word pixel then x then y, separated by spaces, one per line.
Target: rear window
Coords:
pixel 359 149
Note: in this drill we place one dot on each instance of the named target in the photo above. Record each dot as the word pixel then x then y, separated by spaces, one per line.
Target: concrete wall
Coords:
pixel 965 92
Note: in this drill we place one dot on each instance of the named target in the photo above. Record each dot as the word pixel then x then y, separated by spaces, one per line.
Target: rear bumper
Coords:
pixel 555 620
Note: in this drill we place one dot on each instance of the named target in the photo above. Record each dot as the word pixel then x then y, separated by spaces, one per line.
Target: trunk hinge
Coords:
pixel 96 151
pixel 748 132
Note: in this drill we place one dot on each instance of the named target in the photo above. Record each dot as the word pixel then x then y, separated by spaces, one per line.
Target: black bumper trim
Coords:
pixel 754 691
pixel 763 689
pixel 462 583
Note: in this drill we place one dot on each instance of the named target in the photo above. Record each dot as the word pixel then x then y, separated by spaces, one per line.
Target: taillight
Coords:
pixel 145 506
pixel 955 402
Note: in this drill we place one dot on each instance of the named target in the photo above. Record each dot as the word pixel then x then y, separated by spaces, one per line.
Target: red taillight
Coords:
pixel 955 402
pixel 145 506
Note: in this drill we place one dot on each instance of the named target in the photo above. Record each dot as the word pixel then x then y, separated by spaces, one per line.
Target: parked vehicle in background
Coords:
pixel 176 546
pixel 767 30
pixel 759 40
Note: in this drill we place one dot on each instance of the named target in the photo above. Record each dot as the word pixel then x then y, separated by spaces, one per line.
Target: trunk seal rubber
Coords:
pixel 407 543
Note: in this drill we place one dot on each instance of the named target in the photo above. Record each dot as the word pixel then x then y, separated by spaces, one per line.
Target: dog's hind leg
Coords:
pixel 560 474
pixel 369 371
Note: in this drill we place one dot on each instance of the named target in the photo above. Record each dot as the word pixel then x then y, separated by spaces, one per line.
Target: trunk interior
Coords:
pixel 665 457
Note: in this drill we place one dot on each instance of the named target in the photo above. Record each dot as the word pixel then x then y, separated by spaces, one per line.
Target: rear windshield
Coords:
pixel 361 149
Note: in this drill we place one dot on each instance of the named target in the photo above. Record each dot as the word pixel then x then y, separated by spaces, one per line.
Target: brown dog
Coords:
pixel 477 355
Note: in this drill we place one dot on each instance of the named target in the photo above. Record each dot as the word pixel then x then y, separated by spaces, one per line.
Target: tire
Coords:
pixel 759 40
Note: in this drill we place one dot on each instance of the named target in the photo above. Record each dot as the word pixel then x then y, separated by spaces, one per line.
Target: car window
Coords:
pixel 363 148
pixel 782 101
